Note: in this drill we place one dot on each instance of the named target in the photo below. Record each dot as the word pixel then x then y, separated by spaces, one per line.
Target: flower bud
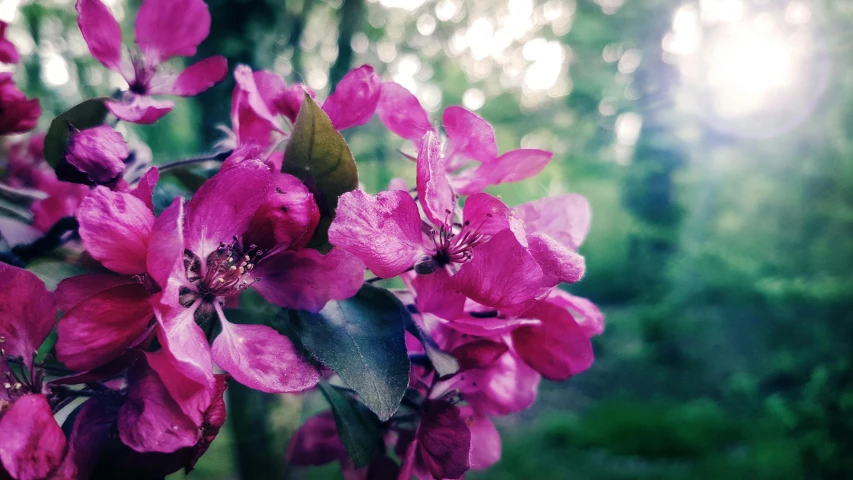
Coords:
pixel 98 153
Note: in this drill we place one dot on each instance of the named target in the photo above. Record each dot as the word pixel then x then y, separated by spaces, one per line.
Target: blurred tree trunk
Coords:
pixel 351 14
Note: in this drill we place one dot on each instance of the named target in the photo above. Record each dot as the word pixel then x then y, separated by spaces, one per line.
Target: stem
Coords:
pixel 216 157
pixel 52 239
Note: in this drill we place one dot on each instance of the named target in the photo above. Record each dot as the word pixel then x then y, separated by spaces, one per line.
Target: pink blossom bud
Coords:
pixel 98 152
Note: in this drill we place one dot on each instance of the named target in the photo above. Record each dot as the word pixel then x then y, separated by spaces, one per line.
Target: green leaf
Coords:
pixel 319 156
pixel 88 114
pixel 363 340
pixel 358 428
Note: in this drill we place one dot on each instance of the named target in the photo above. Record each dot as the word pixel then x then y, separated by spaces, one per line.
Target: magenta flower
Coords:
pixel 469 138
pixel 98 154
pixel 17 114
pixel 261 97
pixel 440 447
pixel 32 444
pixel 480 257
pixel 8 52
pixel 164 29
pixel 204 257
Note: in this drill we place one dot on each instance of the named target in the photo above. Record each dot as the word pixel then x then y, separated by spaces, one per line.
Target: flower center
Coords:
pixel 454 245
pixel 226 272
pixel 142 75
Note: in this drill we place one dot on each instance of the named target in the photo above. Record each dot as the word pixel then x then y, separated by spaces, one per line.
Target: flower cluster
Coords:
pixel 166 313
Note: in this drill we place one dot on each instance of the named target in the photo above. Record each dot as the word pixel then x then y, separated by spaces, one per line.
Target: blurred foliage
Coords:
pixel 724 261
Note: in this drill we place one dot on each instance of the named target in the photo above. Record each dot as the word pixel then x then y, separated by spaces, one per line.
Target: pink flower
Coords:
pixel 203 257
pixel 32 444
pixel 8 52
pixel 469 138
pixel 96 154
pixel 440 447
pixel 164 29
pixel 480 257
pixel 17 114
pixel 261 97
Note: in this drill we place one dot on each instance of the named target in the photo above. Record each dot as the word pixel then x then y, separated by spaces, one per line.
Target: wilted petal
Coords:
pixel 115 228
pixel 101 32
pixel 444 441
pixel 512 166
pixel 468 136
pixel 557 348
pixel 200 76
pixel 27 312
pixel 32 444
pixel 261 358
pixel 566 218
pixel 150 420
pixel 98 153
pixel 434 192
pixel 401 112
pixel 355 98
pixel 502 274
pixel 287 217
pixel 383 231
pixel 307 279
pixel 171 28
pixel 559 263
pixel 141 109
pixel 103 326
pixel 316 442
pixel 224 205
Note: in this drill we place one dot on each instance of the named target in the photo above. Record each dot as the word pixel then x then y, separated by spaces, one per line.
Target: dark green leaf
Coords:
pixel 319 156
pixel 363 340
pixel 88 114
pixel 358 428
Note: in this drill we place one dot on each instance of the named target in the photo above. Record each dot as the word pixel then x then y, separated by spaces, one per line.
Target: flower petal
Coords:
pixel 488 216
pixel 261 358
pixel 383 231
pixel 435 295
pixel 32 444
pixel 468 136
pixel 74 290
pixel 145 188
pixel 488 327
pixel 103 326
pixel 27 312
pixel 502 274
pixel 101 32
pixel 485 440
pixel 585 313
pixel 141 109
pixel 566 218
pixel 401 112
pixel 512 166
pixel 200 76
pixel 434 192
pixel 307 279
pixel 165 258
pixel 224 205
pixel 115 228
pixel 150 420
pixel 355 98
pixel 253 105
pixel 507 386
pixel 557 348
pixel 559 263
pixel 171 28
pixel 316 442
pixel 479 353
pixel 444 440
